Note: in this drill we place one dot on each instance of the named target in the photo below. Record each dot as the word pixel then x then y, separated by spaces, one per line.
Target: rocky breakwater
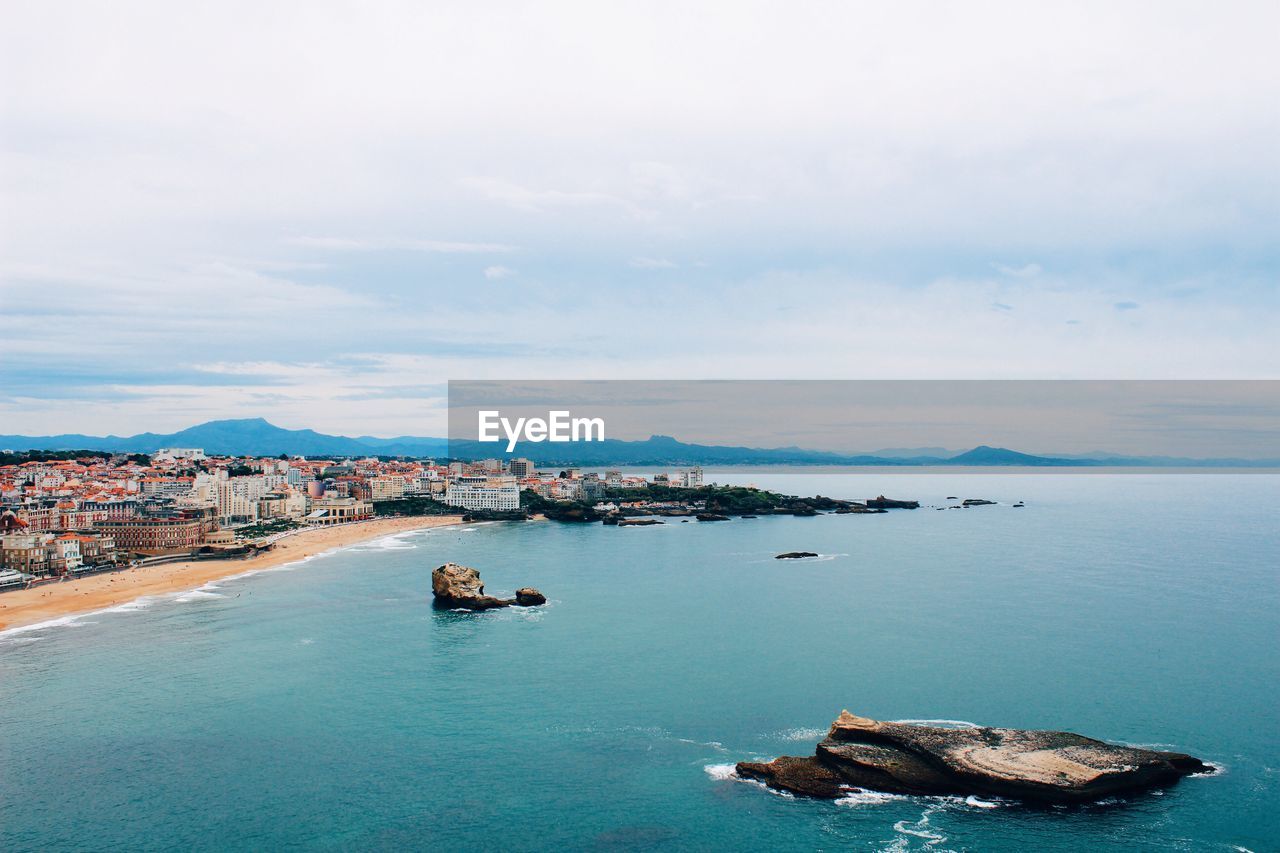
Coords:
pixel 900 758
pixel 457 586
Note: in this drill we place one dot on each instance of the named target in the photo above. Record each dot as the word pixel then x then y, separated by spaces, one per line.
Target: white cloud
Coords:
pixel 652 263
pixel 340 244
pixel 1024 271
pixel 495 273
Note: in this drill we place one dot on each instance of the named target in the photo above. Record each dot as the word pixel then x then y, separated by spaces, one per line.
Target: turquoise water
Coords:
pixel 330 707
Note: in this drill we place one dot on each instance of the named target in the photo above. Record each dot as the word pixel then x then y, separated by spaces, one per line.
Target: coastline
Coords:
pixel 25 607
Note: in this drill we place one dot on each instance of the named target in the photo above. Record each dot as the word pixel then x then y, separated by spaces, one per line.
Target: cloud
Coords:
pixel 1024 271
pixel 341 244
pixel 539 200
pixel 309 220
pixel 496 273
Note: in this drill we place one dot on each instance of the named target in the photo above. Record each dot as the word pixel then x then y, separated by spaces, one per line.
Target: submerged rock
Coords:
pixel 459 586
pixel 795 555
pixel 901 758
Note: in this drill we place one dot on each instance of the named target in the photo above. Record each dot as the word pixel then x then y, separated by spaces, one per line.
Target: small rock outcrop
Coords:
pixel 527 596
pixel 901 758
pixel 889 503
pixel 977 502
pixel 457 586
pixel 639 522
pixel 795 555
pixel 711 516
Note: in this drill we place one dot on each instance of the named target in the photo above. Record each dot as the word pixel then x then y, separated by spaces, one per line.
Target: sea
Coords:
pixel 326 705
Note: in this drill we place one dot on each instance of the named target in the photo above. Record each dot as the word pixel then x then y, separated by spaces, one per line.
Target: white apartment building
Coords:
pixel 238 498
pixel 494 493
pixel 169 454
pixel 387 488
pixel 691 478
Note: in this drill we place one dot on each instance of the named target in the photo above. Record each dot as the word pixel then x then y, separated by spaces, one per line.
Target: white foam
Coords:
pixel 394 542
pixel 729 773
pixel 714 744
pixel 801 734
pixel 859 797
pixel 941 724
pixel 981 804
pixel 922 828
pixel 197 595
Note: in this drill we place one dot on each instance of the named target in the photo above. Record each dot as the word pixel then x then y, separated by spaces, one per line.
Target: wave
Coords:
pixel 197 595
pixel 859 797
pixel 393 542
pixel 722 772
pixel 729 773
pixel 77 620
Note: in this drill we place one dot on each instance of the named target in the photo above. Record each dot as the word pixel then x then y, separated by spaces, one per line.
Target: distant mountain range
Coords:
pixel 257 437
pixel 245 436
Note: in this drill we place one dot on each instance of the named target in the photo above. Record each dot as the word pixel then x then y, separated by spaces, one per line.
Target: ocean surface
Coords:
pixel 327 706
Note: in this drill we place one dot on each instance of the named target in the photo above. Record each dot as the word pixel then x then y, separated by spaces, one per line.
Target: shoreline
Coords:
pixel 25 608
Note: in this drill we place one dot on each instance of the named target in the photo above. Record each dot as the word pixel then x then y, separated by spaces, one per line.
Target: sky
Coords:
pixel 319 213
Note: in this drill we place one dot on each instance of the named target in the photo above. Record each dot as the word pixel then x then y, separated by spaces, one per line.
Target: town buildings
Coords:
pixel 483 492
pixel 61 516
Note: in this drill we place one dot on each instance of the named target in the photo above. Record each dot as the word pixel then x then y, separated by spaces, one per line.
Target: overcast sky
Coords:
pixel 318 213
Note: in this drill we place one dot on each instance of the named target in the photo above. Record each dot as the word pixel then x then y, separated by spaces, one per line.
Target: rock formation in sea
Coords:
pixel 889 503
pixel 977 502
pixel 711 516
pixel 795 555
pixel 527 596
pixel 459 586
pixel 901 758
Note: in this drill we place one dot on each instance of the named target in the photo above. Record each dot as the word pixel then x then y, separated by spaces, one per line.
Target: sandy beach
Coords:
pixel 56 600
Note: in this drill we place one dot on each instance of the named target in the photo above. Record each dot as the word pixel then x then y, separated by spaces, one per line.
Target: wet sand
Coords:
pixel 96 592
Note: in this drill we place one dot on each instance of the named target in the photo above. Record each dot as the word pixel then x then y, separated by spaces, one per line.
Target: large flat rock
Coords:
pixel 903 758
